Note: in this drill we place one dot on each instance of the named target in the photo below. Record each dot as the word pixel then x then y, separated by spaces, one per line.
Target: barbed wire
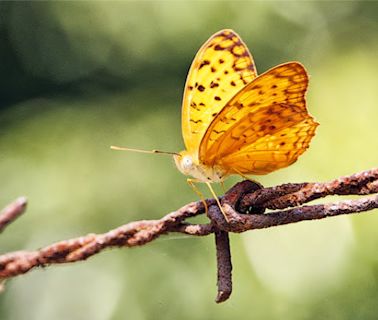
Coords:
pixel 244 205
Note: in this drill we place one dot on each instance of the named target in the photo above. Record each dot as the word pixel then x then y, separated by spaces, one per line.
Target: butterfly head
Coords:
pixel 189 165
pixel 184 162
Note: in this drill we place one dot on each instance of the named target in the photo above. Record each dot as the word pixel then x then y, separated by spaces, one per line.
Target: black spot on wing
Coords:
pixel 204 63
pixel 214 84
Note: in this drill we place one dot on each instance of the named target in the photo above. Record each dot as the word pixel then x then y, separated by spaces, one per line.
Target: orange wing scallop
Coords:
pixel 221 68
pixel 264 127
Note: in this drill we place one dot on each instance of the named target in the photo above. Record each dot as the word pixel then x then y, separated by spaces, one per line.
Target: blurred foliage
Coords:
pixel 77 77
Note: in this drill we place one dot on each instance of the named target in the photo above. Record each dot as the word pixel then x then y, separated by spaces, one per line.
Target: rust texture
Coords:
pixel 245 197
pixel 224 266
pixel 294 194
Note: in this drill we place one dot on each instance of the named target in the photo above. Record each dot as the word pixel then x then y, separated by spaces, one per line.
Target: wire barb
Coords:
pixel 12 212
pixel 224 266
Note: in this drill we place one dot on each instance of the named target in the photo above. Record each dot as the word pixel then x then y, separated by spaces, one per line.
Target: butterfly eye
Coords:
pixel 187 162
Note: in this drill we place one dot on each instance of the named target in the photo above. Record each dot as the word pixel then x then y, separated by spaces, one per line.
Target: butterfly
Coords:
pixel 235 122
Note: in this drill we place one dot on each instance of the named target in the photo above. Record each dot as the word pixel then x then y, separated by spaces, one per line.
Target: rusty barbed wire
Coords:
pixel 244 197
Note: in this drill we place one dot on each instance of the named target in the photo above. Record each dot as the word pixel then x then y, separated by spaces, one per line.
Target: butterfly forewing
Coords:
pixel 221 68
pixel 264 127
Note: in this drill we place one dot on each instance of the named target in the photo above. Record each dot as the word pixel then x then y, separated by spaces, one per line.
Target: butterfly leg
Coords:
pixel 217 200
pixel 196 190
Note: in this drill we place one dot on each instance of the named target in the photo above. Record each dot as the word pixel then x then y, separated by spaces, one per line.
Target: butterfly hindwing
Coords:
pixel 264 127
pixel 221 68
pixel 273 151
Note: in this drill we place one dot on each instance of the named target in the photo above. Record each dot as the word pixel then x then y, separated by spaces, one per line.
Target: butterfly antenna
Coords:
pixel 143 151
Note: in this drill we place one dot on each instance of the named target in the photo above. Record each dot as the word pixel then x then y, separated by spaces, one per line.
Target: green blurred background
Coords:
pixel 77 77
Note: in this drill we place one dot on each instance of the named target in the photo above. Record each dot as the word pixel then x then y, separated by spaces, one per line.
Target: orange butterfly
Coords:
pixel 235 122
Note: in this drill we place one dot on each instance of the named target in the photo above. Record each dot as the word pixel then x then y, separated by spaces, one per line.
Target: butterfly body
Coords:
pixel 236 122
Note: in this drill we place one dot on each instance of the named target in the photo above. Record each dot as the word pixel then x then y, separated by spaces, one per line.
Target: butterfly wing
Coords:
pixel 273 151
pixel 264 127
pixel 221 68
